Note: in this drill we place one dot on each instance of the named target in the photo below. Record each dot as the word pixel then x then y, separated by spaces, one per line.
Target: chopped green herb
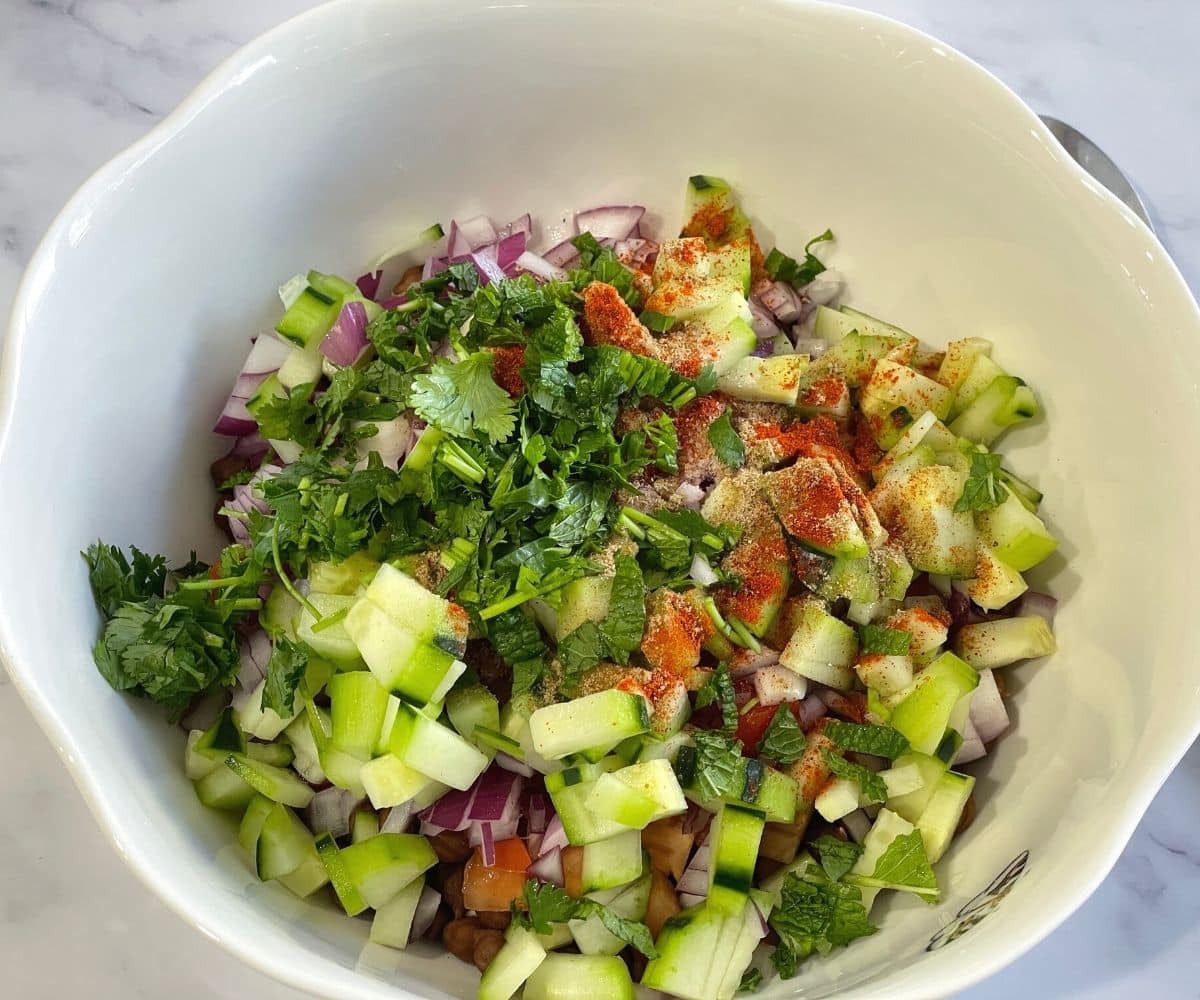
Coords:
pixel 719 688
pixel 781 267
pixel 783 741
pixel 871 786
pixel 883 640
pixel 880 741
pixel 546 904
pixel 983 489
pixel 726 442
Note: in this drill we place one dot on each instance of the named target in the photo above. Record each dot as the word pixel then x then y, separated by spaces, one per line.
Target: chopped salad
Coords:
pixel 625 612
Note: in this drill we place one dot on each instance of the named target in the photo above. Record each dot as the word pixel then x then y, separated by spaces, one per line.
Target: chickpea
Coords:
pixel 487 943
pixel 451 846
pixel 459 937
pixel 409 277
pixel 495 920
pixel 452 892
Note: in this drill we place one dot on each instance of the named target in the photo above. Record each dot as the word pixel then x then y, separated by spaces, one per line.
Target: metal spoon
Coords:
pixel 1097 163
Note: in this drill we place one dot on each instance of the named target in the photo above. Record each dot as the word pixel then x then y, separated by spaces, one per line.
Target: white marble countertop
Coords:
pixel 82 79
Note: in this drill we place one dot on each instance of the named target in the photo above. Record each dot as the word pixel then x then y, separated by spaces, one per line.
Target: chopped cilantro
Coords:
pixel 463 398
pixel 285 671
pixel 726 442
pixel 781 267
pixel 547 904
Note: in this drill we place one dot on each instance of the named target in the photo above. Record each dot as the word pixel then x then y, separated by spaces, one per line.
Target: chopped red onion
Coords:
pixel 857 824
pixel 392 441
pixel 539 267
pixel 811 709
pixel 398 818
pixel 988 714
pixel 451 811
pixel 746 661
pixel 775 684
pixel 433 265
pixel 347 338
pixel 235 420
pixel 255 653
pixel 469 235
pixel 497 797
pixel 701 572
pixel 487 844
pixel 521 224
pixel 697 819
pixel 615 222
pixel 509 250
pixel 1041 605
pixel 251 447
pixel 824 288
pixel 510 763
pixel 539 812
pixel 487 263
pixel 693 884
pixel 562 255
pixel 762 320
pixel 330 811
pixel 266 356
pixel 635 252
pixel 505 830
pixel 368 283
pixel 555 837
pixel 782 300
pixel 548 868
pixel 427 907
pixel 972 746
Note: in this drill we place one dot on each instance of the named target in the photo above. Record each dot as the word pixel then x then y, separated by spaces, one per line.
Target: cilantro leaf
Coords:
pixel 726 442
pixel 879 741
pixel 598 263
pixel 167 652
pixel 116 579
pixel 285 671
pixel 664 443
pixel 784 741
pixel 751 980
pixel 463 398
pixel 883 640
pixel 717 757
pixel 625 621
pixel 872 787
pixel 815 914
pixel 719 688
pixel 983 489
pixel 547 904
pixel 781 267
pixel 837 856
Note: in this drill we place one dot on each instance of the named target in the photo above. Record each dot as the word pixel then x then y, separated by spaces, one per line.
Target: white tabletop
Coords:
pixel 81 79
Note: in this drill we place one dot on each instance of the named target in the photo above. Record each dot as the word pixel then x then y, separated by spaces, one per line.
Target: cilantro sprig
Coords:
pixel 547 904
pixel 781 267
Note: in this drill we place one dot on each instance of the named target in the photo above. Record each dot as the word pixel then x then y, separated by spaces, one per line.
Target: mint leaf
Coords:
pixel 815 914
pixel 625 621
pixel 781 267
pixel 871 786
pixel 904 866
pixel 883 640
pixel 879 741
pixel 285 671
pixel 726 442
pixel 579 652
pixel 518 641
pixel 547 904
pixel 717 757
pixel 463 398
pixel 983 489
pixel 783 741
pixel 719 688
pixel 837 856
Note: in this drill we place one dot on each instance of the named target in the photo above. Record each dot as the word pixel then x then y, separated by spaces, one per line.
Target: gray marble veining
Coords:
pixel 82 79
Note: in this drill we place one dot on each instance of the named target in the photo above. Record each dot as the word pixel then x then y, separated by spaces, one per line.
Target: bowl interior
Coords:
pixel 363 122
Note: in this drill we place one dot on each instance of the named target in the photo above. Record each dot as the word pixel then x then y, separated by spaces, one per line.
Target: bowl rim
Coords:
pixel 237 67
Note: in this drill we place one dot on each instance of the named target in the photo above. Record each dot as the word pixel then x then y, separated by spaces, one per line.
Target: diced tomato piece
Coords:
pixel 752 725
pixel 494 887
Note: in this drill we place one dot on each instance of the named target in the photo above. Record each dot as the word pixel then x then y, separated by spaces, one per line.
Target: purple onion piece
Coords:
pixel 615 222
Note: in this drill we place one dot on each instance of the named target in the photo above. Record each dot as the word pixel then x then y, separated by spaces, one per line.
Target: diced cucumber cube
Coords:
pixel 393 921
pixel 613 862
pixel 283 844
pixel 252 822
pixel 383 865
pixel 514 963
pixel 357 705
pixel 924 715
pixel 735 837
pixel 600 720
pixel 1015 534
pixel 329 641
pixel 388 781
pixel 1007 640
pixel 941 816
pixel 435 750
pixel 275 783
pixel 822 648
pixel 839 798
pixel 580 977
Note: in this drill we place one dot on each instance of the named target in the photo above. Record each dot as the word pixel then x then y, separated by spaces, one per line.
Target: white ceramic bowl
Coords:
pixel 362 121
